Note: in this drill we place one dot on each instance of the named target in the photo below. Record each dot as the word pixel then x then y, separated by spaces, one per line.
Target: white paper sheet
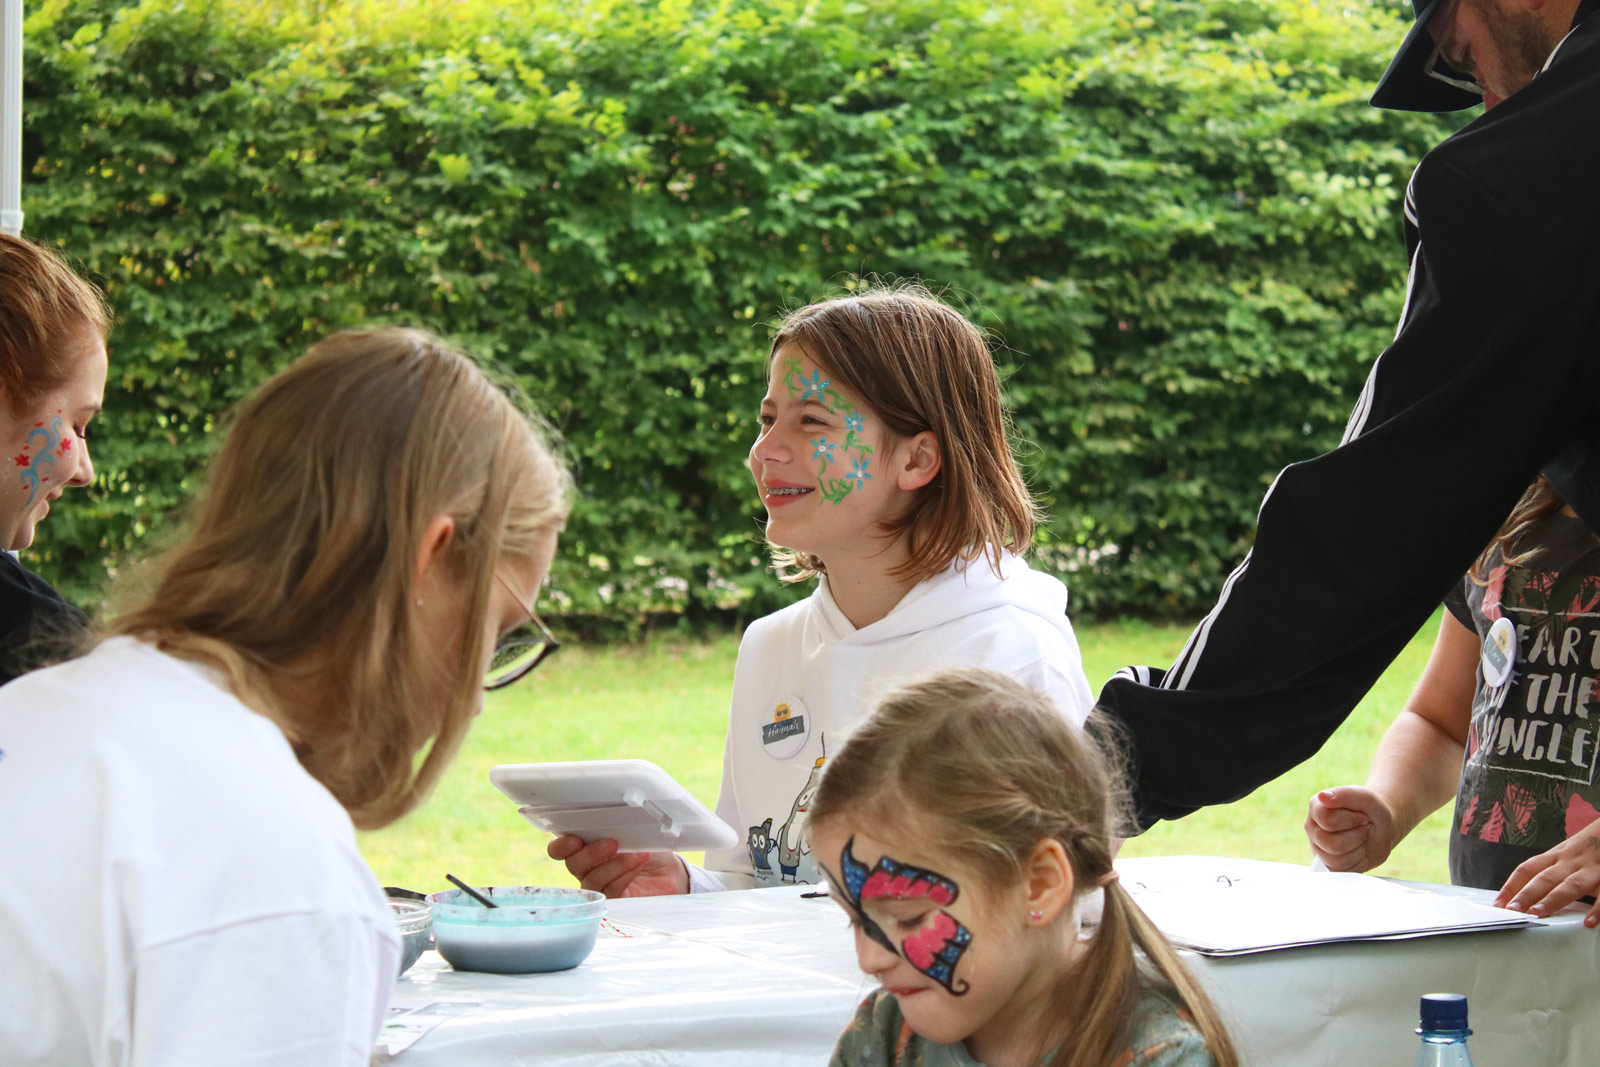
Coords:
pixel 1224 907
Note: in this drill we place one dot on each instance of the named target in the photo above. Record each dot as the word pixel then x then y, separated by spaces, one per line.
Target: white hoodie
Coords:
pixel 806 677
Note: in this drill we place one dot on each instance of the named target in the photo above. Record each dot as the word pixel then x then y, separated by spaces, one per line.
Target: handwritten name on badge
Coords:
pixel 785 734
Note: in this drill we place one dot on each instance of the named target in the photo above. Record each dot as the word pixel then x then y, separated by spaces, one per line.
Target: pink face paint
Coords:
pixel 22 460
pixel 936 947
pixel 904 887
pixel 922 947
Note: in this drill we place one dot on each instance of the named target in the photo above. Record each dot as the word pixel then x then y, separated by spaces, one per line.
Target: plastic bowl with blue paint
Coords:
pixel 530 929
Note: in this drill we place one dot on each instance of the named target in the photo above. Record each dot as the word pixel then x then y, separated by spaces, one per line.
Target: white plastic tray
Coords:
pixel 632 801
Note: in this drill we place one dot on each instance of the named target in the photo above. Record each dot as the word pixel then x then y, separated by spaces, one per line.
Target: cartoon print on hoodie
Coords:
pixel 761 844
pixel 810 657
pixel 792 843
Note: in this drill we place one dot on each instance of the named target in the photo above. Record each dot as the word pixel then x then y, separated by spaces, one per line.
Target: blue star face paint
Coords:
pixel 936 946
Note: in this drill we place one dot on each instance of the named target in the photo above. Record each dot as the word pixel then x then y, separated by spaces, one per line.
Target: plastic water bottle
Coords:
pixel 1444 1031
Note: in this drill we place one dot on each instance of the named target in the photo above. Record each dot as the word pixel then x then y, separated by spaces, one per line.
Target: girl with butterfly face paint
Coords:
pixel 960 829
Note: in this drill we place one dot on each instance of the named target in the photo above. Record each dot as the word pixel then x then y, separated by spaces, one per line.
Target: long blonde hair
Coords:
pixel 996 770
pixel 921 366
pixel 300 558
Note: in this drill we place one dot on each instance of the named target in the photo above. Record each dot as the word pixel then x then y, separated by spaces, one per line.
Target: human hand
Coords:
pixel 600 867
pixel 1350 828
pixel 1553 879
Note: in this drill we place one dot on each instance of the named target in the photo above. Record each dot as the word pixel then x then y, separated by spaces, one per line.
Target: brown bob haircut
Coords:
pixel 918 365
pixel 46 307
pixel 297 573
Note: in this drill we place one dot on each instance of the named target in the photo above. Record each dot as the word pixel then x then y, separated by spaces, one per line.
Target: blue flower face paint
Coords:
pixel 820 390
pixel 815 389
pixel 937 945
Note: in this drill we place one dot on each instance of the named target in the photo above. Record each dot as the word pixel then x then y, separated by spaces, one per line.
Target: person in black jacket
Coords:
pixel 1493 376
pixel 52 377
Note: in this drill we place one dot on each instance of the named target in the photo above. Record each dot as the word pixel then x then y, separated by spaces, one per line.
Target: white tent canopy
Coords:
pixel 11 116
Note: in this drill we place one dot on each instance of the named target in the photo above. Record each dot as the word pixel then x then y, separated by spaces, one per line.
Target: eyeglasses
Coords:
pixel 1438 67
pixel 521 650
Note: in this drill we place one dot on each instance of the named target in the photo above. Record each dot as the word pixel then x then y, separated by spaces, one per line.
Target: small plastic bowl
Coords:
pixel 532 929
pixel 413 920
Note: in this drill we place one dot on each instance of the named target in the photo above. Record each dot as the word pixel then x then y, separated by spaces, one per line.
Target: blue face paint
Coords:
pixel 815 389
pixel 45 441
pixel 936 947
pixel 820 390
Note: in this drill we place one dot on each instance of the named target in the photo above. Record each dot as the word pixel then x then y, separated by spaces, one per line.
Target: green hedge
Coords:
pixel 1179 218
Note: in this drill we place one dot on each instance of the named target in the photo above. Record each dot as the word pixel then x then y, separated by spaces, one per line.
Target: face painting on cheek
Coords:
pixel 936 947
pixel 820 390
pixel 44 443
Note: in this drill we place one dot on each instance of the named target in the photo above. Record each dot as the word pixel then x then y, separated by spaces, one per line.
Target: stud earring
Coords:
pixel 1036 916
pixel 419 602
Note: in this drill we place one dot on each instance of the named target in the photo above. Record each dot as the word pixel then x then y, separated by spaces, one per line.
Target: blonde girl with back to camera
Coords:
pixel 961 828
pixel 883 462
pixel 304 661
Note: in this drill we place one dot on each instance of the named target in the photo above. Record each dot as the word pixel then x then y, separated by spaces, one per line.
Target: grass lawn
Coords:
pixel 668 703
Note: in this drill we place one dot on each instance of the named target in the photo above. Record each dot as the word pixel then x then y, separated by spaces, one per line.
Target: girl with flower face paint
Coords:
pixel 960 829
pixel 881 461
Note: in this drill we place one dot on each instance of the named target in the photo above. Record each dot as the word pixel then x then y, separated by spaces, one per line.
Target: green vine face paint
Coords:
pixel 851 449
pixel 820 464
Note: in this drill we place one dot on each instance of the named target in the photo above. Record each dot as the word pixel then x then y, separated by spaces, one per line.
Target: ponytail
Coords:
pixel 992 770
pixel 1100 996
pixel 1172 974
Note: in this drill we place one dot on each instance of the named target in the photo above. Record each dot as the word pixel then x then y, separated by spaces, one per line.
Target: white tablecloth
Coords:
pixel 765 977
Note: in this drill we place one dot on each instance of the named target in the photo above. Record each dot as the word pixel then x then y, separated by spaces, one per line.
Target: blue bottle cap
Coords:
pixel 1444 1011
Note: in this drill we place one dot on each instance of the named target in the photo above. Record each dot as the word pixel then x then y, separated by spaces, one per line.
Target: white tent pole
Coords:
pixel 11 116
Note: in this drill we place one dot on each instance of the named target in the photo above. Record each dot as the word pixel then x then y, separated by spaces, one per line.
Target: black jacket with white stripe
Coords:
pixel 1493 375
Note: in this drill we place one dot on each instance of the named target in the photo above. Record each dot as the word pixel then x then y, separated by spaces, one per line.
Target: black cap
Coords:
pixel 1444 1011
pixel 1404 87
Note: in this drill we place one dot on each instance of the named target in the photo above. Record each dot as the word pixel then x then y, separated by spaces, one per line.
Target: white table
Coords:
pixel 766 977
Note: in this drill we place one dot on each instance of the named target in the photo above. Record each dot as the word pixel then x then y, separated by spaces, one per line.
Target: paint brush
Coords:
pixel 471 892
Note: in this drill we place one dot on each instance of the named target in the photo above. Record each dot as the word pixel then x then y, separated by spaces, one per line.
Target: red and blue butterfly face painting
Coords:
pixel 937 945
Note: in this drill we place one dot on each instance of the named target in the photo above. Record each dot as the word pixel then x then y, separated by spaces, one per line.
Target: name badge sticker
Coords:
pixel 1499 653
pixel 787 729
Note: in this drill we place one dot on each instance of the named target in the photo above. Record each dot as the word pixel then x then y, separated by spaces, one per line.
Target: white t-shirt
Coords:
pixel 175 889
pixel 806 677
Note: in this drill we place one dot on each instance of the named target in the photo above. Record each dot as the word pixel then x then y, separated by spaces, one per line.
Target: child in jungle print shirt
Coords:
pixel 1528 779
